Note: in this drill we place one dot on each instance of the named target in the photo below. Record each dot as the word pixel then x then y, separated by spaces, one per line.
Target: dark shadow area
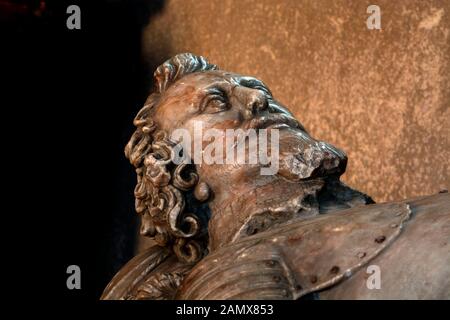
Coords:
pixel 81 90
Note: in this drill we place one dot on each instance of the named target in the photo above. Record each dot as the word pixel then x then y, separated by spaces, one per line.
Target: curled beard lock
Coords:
pixel 161 188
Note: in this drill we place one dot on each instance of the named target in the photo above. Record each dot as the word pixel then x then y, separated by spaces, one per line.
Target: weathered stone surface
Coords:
pixel 226 244
pixel 382 96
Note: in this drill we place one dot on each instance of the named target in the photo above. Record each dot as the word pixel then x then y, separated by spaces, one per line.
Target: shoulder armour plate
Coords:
pixel 297 257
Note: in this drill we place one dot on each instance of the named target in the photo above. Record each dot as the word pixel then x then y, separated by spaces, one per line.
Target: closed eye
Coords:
pixel 215 101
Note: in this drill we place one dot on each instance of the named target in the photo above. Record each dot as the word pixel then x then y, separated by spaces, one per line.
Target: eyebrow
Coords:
pixel 217 86
pixel 215 89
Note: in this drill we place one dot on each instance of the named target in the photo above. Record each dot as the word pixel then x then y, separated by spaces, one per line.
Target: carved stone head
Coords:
pixel 176 201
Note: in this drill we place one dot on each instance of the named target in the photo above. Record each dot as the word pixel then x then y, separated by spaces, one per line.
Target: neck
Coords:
pixel 258 208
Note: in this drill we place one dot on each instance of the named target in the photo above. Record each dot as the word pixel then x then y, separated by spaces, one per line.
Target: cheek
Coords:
pixel 171 116
pixel 227 124
pixel 198 126
pixel 230 119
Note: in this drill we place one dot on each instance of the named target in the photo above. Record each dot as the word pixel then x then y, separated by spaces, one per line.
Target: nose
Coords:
pixel 256 101
pixel 253 101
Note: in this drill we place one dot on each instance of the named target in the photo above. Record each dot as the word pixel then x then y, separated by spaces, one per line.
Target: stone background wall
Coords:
pixel 383 96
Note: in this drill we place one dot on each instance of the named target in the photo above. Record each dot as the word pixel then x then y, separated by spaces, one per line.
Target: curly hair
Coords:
pixel 169 197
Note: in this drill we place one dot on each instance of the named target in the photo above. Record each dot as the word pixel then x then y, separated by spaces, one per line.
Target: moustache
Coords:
pixel 273 120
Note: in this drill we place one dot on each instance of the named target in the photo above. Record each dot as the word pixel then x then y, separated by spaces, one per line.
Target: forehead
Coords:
pixel 203 80
pixel 206 77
